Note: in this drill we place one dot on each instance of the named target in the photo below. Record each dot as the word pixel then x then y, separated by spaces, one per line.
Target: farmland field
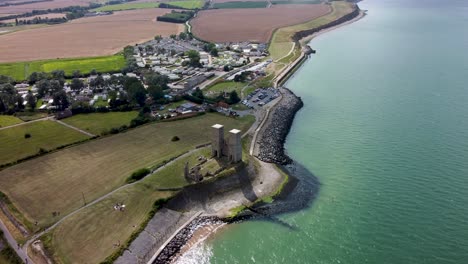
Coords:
pixel 127 6
pixel 239 25
pixel 21 70
pixel 86 37
pixel 99 166
pixel 77 238
pixel 20 9
pixel 239 4
pixel 7 120
pixel 44 134
pixel 192 4
pixel 97 123
pixel 51 15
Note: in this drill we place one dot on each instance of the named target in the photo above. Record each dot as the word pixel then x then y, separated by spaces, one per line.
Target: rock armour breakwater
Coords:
pixel 276 129
pixel 304 33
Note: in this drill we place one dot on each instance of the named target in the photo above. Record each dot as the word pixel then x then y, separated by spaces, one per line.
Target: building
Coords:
pixel 230 147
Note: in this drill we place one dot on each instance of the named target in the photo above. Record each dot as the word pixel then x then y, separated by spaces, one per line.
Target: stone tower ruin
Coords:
pixel 230 147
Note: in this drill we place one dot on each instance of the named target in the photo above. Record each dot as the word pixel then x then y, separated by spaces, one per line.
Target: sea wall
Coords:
pixel 304 33
pixel 276 129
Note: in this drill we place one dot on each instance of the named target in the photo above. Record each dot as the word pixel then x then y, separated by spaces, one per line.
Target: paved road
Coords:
pixel 24 123
pixel 14 245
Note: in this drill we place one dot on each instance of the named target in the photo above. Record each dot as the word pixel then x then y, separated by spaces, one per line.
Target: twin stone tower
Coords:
pixel 230 147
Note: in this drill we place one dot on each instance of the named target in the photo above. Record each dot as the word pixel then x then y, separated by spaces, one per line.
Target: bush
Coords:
pixel 175 138
pixel 27 135
pixel 138 175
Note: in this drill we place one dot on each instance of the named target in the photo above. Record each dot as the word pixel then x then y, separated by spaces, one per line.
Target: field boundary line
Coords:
pixel 29 122
pixel 74 128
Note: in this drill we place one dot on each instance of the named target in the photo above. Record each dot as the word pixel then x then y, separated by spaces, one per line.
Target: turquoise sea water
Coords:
pixel 385 131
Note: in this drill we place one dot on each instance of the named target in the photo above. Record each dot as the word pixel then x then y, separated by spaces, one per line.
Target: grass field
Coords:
pixel 281 39
pixel 190 4
pixel 21 70
pixel 44 134
pixel 6 120
pixel 30 116
pixel 262 4
pixel 97 123
pixel 61 179
pixel 99 226
pixel 227 87
pixel 126 6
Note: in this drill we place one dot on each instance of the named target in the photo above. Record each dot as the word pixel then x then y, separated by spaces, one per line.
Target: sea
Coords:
pixel 384 134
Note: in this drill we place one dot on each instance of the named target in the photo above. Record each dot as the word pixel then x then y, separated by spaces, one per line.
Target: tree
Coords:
pixel 198 93
pixel 234 97
pixel 194 57
pixel 76 74
pixel 55 87
pixel 226 68
pixel 214 52
pixel 61 100
pixel 156 79
pixel 149 48
pixel 173 36
pixel 58 74
pixel 137 93
pixel 5 79
pixel 93 72
pixel 8 97
pixel 37 76
pixel 208 47
pixel 183 35
pixel 31 100
pixel 156 92
pixel 158 38
pixel 76 84
pixel 43 87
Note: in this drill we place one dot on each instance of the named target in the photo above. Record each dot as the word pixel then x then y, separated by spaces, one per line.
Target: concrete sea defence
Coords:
pixel 276 129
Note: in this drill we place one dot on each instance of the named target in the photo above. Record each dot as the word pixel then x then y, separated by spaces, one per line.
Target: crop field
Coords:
pixel 192 4
pixel 282 36
pixel 21 70
pixel 211 25
pixel 44 134
pixel 127 6
pixel 100 226
pixel 95 168
pixel 6 120
pixel 86 37
pixel 20 9
pixel 98 123
pixel 239 4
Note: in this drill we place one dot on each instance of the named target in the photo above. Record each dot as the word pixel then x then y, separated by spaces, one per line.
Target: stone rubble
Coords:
pixel 276 129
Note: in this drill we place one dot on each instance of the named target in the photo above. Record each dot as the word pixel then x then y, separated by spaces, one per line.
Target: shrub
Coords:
pixel 138 175
pixel 27 135
pixel 175 138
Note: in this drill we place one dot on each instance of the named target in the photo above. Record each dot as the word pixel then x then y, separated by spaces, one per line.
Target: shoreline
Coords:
pixel 289 71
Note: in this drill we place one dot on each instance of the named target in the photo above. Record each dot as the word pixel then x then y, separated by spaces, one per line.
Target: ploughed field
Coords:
pixel 252 24
pixel 86 37
pixel 58 181
pixel 51 15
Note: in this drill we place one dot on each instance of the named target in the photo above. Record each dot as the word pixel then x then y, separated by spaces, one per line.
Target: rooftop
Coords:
pixel 235 131
pixel 217 126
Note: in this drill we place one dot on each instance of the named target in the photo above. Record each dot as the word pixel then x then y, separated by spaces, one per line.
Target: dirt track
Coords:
pixel 91 36
pixel 256 24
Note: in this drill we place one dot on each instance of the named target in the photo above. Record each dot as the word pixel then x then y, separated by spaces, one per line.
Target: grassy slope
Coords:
pixel 44 134
pixel 281 42
pixel 97 123
pixel 21 70
pixel 6 120
pixel 88 236
pixel 99 166
pixel 260 4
